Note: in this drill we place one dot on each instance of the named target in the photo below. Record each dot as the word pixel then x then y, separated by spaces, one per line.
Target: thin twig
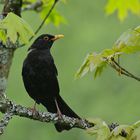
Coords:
pixel 44 20
pixel 121 70
pixel 117 64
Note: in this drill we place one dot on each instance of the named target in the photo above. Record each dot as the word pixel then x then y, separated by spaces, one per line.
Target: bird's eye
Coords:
pixel 46 38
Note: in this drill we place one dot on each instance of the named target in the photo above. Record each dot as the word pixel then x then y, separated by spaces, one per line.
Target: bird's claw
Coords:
pixel 33 110
pixel 59 114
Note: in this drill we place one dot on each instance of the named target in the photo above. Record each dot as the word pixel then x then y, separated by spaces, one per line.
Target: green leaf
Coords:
pixel 100 129
pixel 55 17
pixel 123 132
pixel 123 7
pixel 136 132
pixel 16 27
pixel 136 125
pixel 84 68
pixel 99 69
pixel 129 42
pixel 3 36
pixel 92 61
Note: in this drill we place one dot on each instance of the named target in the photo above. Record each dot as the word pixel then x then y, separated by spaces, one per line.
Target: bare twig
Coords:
pixel 125 71
pixel 118 69
pixel 121 70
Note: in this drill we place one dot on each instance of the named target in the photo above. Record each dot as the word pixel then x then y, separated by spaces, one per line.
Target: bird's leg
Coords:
pixel 33 109
pixel 58 110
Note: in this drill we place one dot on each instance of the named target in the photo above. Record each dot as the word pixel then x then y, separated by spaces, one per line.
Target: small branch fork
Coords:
pixel 115 65
pixel 10 109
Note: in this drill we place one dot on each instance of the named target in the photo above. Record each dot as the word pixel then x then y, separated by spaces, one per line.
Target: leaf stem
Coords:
pixel 121 70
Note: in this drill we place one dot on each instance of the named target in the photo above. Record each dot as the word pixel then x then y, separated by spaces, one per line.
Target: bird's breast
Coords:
pixel 40 73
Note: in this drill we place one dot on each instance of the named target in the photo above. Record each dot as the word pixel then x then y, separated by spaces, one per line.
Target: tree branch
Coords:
pixel 6 56
pixel 13 109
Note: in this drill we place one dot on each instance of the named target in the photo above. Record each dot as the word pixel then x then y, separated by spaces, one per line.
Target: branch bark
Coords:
pixel 4 122
pixel 7 51
pixel 13 109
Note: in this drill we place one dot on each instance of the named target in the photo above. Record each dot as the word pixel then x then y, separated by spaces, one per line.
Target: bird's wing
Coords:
pixel 40 78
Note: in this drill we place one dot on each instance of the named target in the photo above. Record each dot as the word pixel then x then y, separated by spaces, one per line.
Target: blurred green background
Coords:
pixel 110 97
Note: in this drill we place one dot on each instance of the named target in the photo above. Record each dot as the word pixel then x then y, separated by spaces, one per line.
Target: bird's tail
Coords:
pixel 64 109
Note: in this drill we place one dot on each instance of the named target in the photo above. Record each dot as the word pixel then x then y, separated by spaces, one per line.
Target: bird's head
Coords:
pixel 45 41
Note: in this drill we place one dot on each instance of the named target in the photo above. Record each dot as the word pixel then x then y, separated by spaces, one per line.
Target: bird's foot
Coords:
pixel 59 114
pixel 33 109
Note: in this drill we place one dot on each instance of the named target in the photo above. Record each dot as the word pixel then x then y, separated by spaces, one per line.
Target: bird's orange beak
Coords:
pixel 57 37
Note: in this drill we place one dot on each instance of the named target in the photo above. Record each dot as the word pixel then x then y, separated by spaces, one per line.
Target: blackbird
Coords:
pixel 40 78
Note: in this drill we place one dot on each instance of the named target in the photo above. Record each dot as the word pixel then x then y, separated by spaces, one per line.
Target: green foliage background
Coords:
pixel 110 97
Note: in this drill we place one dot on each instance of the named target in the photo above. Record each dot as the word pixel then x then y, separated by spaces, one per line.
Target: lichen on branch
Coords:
pixel 18 110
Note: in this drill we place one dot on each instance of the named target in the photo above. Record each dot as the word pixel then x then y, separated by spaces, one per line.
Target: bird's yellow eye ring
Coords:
pixel 46 38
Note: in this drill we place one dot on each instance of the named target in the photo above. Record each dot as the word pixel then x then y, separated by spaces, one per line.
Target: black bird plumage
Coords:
pixel 40 78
